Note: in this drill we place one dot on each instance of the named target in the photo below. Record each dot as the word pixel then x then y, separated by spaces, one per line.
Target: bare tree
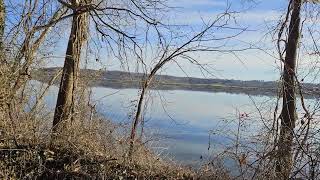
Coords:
pixel 111 21
pixel 3 66
pixel 77 38
pixel 288 114
pixel 27 26
pixel 2 22
pixel 197 43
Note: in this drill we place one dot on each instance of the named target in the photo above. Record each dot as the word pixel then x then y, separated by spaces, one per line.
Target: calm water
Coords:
pixel 181 121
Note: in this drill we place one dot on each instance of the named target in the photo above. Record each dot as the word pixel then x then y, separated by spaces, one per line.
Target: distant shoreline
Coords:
pixel 126 80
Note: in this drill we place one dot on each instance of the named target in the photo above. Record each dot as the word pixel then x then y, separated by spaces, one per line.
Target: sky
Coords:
pixel 258 16
pixel 248 65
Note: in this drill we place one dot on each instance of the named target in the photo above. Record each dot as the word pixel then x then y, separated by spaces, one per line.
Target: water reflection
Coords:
pixel 181 120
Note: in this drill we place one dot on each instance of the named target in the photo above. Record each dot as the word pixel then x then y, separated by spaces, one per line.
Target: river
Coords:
pixel 180 121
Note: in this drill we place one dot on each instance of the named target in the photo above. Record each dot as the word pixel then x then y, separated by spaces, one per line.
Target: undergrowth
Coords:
pixel 95 149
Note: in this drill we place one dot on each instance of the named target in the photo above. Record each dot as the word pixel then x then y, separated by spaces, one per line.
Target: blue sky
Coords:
pixel 258 16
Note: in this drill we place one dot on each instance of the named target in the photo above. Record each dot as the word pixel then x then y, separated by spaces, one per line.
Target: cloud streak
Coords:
pixel 197 3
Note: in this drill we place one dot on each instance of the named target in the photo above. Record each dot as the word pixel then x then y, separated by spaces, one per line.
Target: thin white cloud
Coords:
pixel 252 17
pixel 193 3
pixel 259 16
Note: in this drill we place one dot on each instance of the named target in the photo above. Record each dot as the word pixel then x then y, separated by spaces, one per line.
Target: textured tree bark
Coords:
pixel 288 113
pixel 2 23
pixel 70 72
pixel 4 85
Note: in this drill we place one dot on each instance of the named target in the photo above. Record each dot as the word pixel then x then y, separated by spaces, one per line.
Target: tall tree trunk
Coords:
pixel 4 77
pixel 2 23
pixel 288 113
pixel 71 69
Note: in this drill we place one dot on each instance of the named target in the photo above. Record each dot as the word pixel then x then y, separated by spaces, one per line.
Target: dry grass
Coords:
pixel 93 149
pixel 88 147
